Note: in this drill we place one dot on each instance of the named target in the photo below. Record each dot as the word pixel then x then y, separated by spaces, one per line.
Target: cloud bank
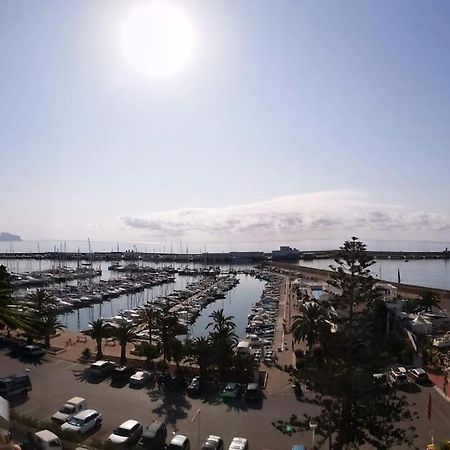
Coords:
pixel 294 215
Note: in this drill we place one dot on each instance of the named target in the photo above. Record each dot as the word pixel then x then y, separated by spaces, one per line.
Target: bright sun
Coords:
pixel 156 39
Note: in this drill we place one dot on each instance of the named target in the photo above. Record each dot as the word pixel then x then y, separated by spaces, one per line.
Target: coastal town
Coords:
pixel 142 365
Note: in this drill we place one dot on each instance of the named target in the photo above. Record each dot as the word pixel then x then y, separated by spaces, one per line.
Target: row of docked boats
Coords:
pixel 263 316
pixel 51 276
pixel 69 297
pixel 186 304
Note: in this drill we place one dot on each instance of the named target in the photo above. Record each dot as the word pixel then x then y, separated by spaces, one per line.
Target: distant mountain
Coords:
pixel 5 237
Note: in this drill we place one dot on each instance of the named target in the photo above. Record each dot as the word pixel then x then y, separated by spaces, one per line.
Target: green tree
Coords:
pixel 10 316
pixel 149 351
pixel 169 328
pixel 223 340
pixel 199 352
pixel 244 367
pixel 125 334
pixel 41 302
pixel 99 331
pixel 48 325
pixel 149 317
pixel 312 324
pixel 427 301
pixel 354 410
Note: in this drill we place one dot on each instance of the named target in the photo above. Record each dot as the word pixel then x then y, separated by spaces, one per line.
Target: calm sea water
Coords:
pixel 431 272
pixel 238 301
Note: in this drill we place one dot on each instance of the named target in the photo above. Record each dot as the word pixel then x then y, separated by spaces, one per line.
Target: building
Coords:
pixel 286 253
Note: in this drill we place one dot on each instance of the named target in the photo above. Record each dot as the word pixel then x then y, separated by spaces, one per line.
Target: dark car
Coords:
pixel 15 385
pixel 194 387
pixel 153 437
pixel 122 374
pixel 253 392
pixel 33 351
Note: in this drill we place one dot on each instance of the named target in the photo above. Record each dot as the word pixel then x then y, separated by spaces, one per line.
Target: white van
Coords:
pixel 46 440
pixel 69 409
pixel 179 442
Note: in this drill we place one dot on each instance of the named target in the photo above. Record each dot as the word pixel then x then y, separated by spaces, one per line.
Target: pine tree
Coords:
pixel 356 410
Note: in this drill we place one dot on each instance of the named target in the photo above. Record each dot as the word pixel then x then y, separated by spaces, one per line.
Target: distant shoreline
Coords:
pixel 214 258
pixel 8 237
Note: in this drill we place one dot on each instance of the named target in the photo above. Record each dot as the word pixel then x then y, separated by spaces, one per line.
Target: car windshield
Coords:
pixel 75 422
pixel 122 432
pixel 67 409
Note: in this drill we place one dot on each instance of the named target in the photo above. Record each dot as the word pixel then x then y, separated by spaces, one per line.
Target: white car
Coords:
pixel 83 422
pixel 238 443
pixel 130 431
pixel 140 378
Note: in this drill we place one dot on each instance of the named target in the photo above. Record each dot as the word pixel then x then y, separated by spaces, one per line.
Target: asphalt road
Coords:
pixel 56 380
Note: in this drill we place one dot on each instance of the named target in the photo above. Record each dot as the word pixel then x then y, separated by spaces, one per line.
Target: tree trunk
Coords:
pixel 123 356
pixel 99 349
pixel 47 340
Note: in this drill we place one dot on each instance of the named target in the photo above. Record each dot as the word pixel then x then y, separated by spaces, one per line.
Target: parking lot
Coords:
pixel 56 380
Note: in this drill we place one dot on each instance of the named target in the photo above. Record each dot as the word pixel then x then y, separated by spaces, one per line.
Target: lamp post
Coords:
pixel 313 426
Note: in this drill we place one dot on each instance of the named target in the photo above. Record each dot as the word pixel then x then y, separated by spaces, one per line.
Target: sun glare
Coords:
pixel 156 39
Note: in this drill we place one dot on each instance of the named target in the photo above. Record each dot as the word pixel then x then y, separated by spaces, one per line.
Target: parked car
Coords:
pixel 127 433
pixel 298 447
pixel 231 390
pixel 179 442
pixel 194 386
pixel 418 376
pixel 153 437
pixel 397 376
pixel 102 368
pixel 238 443
pixel 45 440
pixel 33 351
pixel 69 409
pixel 15 385
pixel 213 443
pixel 122 374
pixel 140 378
pixel 253 392
pixel 83 422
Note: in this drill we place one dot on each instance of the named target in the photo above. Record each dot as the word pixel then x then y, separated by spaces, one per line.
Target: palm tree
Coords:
pixel 125 334
pixel 311 325
pixel 149 316
pixel 427 301
pixel 99 330
pixel 151 352
pixel 47 325
pixel 200 354
pixel 244 367
pixel 220 321
pixel 10 316
pixel 177 351
pixel 223 339
pixel 41 301
pixel 169 328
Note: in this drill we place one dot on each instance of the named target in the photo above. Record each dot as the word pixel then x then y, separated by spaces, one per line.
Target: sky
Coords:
pixel 290 120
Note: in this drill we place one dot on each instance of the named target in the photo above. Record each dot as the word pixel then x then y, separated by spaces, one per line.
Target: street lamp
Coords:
pixel 313 426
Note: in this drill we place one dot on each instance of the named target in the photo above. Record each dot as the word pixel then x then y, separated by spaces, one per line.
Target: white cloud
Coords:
pixel 305 215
